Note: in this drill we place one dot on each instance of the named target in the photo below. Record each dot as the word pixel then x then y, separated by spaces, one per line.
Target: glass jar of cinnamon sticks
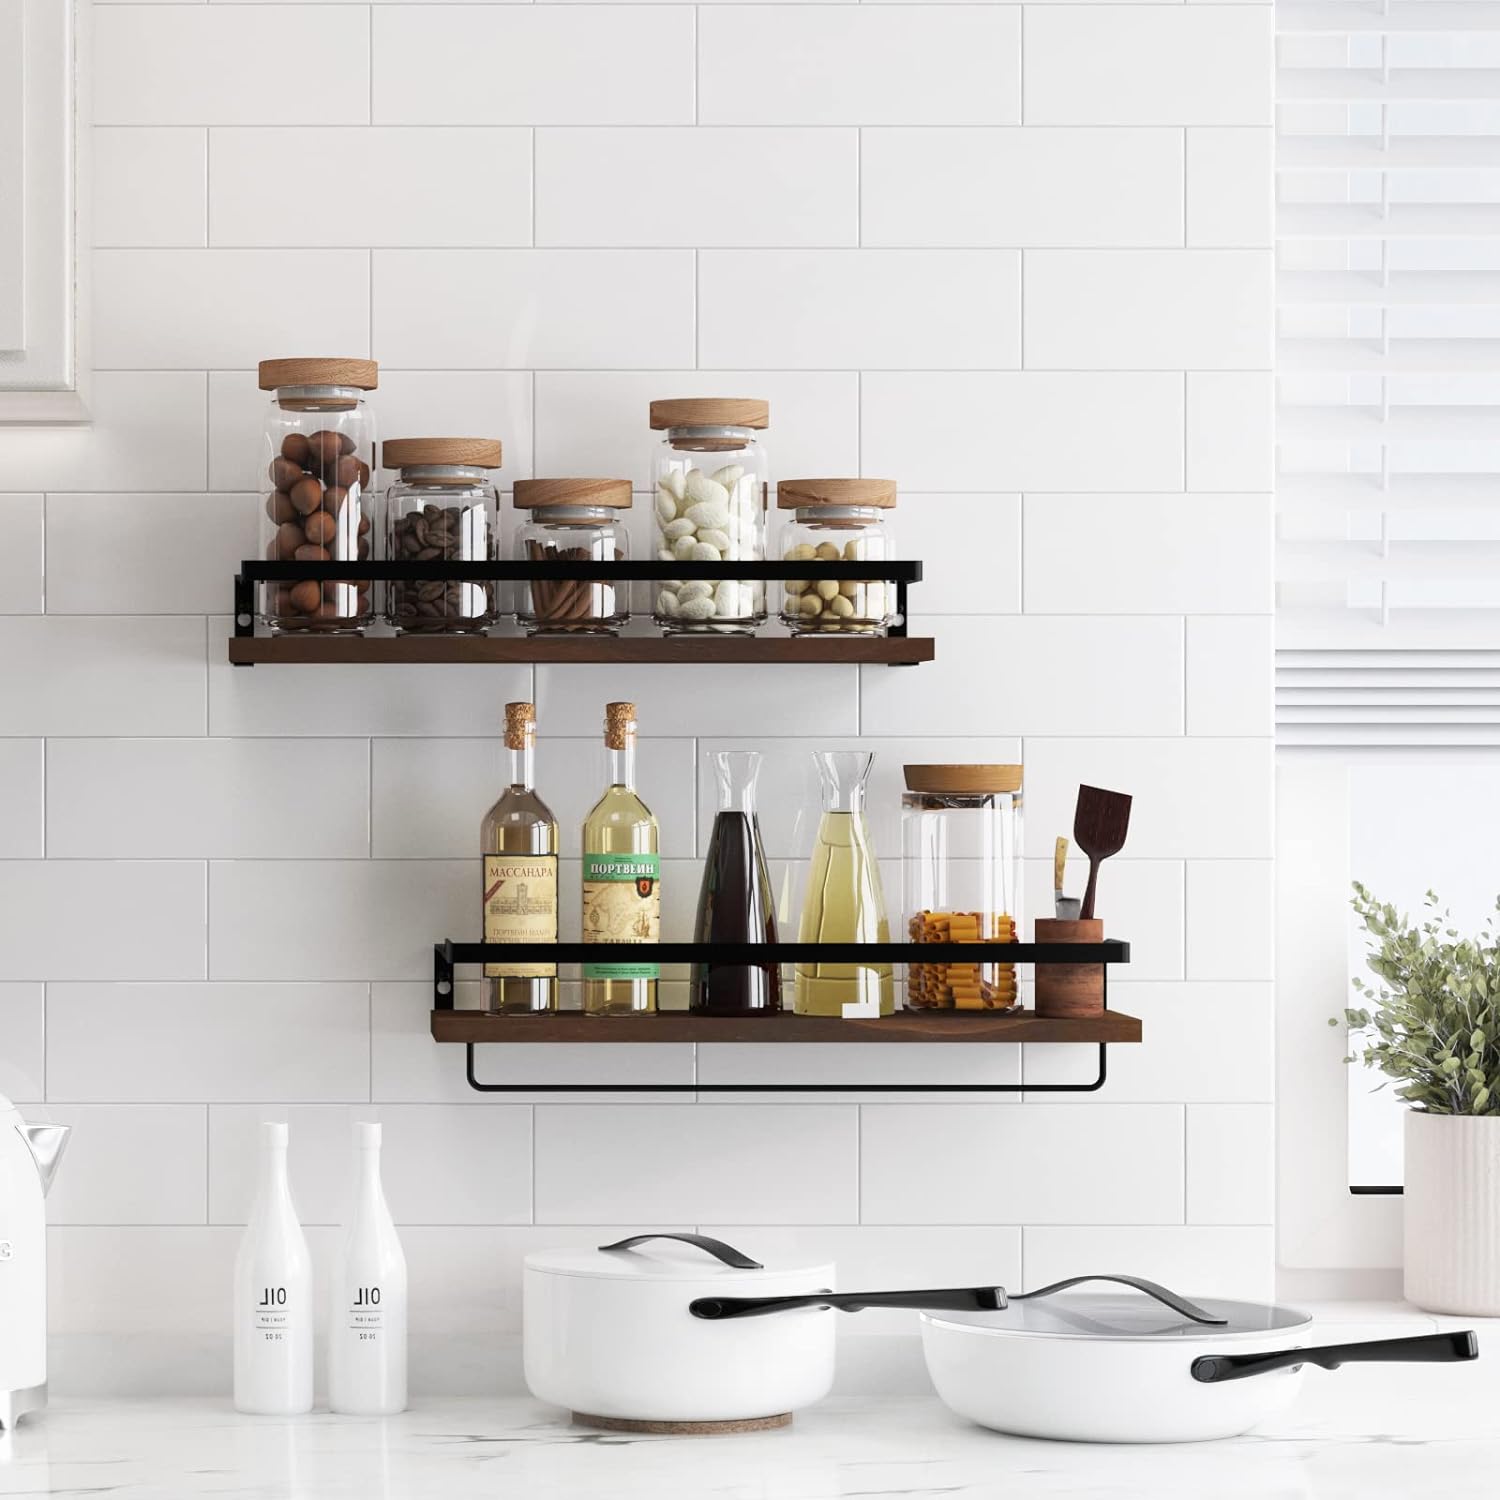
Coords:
pixel 572 521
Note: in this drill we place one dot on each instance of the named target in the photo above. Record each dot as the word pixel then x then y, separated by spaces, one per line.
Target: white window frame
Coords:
pixel 45 379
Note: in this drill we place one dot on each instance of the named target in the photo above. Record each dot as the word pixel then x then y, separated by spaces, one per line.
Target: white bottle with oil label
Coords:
pixel 367 1312
pixel 273 1296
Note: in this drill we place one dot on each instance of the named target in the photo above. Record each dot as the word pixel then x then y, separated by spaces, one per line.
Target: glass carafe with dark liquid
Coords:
pixel 735 903
pixel 844 901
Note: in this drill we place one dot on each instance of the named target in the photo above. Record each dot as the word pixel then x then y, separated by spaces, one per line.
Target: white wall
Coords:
pixel 1015 257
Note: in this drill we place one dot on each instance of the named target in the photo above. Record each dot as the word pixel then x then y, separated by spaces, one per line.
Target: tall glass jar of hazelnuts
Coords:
pixel 318 455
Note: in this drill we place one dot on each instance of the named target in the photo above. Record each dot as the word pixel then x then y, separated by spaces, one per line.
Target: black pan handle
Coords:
pixel 717 1248
pixel 1164 1295
pixel 946 1299
pixel 1426 1349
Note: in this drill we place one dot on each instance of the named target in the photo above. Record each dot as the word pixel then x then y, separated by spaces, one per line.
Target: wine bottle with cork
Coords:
pixel 519 842
pixel 621 879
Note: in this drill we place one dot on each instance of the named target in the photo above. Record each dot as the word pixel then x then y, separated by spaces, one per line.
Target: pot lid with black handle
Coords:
pixel 673 1256
pixel 1126 1316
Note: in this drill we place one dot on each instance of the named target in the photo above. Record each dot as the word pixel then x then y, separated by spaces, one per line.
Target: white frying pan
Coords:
pixel 1120 1367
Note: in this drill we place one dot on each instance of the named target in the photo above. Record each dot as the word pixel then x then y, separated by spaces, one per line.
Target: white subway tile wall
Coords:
pixel 1016 257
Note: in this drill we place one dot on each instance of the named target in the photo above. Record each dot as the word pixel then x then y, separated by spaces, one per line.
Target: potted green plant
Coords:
pixel 1432 1025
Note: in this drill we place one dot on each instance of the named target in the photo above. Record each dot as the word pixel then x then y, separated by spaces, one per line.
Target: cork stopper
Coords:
pixel 520 724
pixel 619 724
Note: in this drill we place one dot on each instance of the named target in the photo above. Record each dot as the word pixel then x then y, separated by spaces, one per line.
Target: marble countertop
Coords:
pixel 1358 1432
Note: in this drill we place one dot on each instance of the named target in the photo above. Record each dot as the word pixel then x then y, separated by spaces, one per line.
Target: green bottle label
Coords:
pixel 621 904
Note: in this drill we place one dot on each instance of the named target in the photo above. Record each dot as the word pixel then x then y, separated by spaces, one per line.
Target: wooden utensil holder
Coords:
pixel 1069 990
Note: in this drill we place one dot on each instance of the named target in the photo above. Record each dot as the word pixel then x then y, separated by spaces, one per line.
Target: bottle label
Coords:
pixel 269 1318
pixel 520 906
pixel 621 904
pixel 366 1319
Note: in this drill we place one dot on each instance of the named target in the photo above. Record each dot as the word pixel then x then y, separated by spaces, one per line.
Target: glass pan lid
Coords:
pixel 1126 1315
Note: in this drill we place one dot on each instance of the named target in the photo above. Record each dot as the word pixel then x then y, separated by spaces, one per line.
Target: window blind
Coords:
pixel 1388 372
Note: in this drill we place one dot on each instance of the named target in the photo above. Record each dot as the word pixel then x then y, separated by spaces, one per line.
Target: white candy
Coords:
pixel 702 491
pixel 708 515
pixel 681 527
pixel 674 482
pixel 697 609
pixel 666 604
pixel 729 476
pixel 682 548
pixel 703 552
pixel 666 505
pixel 727 599
pixel 665 554
pixel 719 539
pixel 695 588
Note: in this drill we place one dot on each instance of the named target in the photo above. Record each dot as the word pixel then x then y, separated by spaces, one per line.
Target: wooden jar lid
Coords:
pixel 962 779
pixel 476 453
pixel 363 374
pixel 532 493
pixel 793 494
pixel 710 411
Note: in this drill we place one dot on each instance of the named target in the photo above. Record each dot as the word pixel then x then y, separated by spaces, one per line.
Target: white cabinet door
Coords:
pixel 40 271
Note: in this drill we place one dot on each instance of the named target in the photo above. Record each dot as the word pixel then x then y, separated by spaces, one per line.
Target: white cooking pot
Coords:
pixel 607 1334
pixel 1122 1369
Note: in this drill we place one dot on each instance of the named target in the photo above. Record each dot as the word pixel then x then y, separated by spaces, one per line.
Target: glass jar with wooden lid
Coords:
pixel 572 520
pixel 961 881
pixel 317 457
pixel 710 477
pixel 837 520
pixel 442 508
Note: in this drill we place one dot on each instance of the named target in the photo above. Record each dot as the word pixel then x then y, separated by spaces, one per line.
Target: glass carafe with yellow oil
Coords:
pixel 843 901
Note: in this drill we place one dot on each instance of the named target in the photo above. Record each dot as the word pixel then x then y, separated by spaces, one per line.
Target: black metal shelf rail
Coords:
pixel 253 571
pixel 447 955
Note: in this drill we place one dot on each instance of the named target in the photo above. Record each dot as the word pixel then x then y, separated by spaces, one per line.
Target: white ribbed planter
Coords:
pixel 1452 1213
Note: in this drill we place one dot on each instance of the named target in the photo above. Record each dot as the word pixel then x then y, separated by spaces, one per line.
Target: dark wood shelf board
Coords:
pixel 683 1026
pixel 312 650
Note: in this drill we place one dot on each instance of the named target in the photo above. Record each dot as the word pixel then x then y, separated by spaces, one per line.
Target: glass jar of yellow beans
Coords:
pixel 836 520
pixel 961 881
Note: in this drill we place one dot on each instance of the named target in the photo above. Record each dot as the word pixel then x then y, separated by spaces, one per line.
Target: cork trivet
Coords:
pixel 685 1429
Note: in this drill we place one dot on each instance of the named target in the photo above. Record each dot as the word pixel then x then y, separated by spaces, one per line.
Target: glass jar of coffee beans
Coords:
pixel 317 454
pixel 443 508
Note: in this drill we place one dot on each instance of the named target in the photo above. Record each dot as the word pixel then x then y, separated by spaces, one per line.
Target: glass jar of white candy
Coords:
pixel 837 521
pixel 709 473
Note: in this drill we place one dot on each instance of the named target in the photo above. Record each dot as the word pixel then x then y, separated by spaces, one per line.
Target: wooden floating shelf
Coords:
pixel 471 1026
pixel 313 650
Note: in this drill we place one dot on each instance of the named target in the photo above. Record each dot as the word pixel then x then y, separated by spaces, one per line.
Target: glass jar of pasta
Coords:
pixel 961 881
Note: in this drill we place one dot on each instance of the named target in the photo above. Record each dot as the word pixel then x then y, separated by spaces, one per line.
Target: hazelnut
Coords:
pixel 320 527
pixel 294 447
pixel 364 474
pixel 346 471
pixel 325 448
pixel 279 506
pixel 311 554
pixel 305 596
pixel 334 497
pixel 364 525
pixel 307 495
pixel 285 473
pixel 289 537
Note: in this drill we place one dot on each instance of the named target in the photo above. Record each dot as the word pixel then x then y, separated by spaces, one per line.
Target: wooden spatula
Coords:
pixel 1099 827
